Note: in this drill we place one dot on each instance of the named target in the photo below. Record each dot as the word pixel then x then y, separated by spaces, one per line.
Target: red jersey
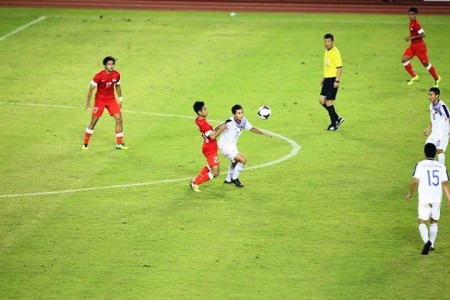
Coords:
pixel 414 30
pixel 105 84
pixel 209 145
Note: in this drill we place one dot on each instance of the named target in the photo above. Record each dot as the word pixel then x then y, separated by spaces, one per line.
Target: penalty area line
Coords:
pixel 22 27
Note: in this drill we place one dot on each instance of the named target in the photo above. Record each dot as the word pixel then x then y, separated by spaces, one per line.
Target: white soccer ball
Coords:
pixel 264 112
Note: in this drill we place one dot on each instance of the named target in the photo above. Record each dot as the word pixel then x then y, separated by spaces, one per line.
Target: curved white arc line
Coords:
pixel 96 188
pixel 295 149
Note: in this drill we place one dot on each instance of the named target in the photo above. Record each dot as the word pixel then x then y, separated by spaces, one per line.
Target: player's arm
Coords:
pixel 412 188
pixel 447 192
pixel 217 131
pixel 119 94
pixel 89 96
pixel 427 130
pixel 338 76
pixel 415 37
pixel 258 131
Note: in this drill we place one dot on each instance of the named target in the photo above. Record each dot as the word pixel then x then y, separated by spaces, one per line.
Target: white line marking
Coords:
pixel 295 149
pixel 22 27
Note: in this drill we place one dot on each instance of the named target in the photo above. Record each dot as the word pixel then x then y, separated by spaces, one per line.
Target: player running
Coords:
pixel 417 48
pixel 105 81
pixel 228 143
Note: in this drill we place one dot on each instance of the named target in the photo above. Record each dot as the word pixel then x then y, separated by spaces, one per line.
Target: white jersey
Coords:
pixel 439 116
pixel 233 131
pixel 431 174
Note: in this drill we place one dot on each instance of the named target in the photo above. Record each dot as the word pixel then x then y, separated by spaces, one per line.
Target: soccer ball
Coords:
pixel 264 112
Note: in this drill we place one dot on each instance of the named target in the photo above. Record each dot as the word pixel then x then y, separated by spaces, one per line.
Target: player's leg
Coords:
pixel 441 156
pixel 230 172
pixel 434 218
pixel 334 117
pixel 441 146
pixel 329 93
pixel 114 110
pixel 406 61
pixel 423 56
pixel 89 132
pixel 424 211
pixel 240 160
pixel 433 232
pixel 119 132
pixel 230 151
pixel 322 99
pixel 97 111
pixel 213 166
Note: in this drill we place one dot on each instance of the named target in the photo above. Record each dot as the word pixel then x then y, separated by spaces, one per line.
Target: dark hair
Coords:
pixel 108 58
pixel 435 90
pixel 430 150
pixel 198 105
pixel 235 108
pixel 329 36
pixel 413 10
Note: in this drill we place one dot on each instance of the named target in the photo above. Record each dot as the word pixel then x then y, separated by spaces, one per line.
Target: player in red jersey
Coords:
pixel 417 48
pixel 105 81
pixel 209 148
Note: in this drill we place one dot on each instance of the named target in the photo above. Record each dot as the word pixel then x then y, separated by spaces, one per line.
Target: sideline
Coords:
pixel 295 149
pixel 22 27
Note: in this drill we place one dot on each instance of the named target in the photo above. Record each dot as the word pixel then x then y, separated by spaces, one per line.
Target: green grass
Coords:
pixel 331 222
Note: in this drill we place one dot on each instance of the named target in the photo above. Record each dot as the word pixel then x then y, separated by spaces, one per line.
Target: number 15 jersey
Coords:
pixel 431 174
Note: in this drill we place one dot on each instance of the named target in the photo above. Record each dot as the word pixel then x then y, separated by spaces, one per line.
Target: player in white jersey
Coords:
pixel 431 176
pixel 228 143
pixel 439 124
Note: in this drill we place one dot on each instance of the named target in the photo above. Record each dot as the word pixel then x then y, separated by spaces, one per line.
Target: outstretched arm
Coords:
pixel 412 188
pixel 258 131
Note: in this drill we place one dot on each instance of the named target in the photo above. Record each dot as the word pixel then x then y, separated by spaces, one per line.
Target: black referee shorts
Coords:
pixel 328 89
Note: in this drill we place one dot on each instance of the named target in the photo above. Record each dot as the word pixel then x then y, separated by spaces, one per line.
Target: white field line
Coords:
pixel 22 27
pixel 295 149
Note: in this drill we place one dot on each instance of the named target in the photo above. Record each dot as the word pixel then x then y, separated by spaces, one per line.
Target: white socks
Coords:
pixel 433 233
pixel 230 173
pixel 423 230
pixel 237 170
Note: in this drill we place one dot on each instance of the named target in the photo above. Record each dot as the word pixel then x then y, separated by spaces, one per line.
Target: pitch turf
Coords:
pixel 330 222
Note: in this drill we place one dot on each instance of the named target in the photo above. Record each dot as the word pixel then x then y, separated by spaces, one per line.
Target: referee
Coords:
pixel 332 71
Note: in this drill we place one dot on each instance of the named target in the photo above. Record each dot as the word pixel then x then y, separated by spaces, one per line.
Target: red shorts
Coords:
pixel 212 159
pixel 111 105
pixel 417 50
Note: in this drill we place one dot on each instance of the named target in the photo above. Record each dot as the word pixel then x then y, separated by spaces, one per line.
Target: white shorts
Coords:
pixel 427 210
pixel 229 152
pixel 439 140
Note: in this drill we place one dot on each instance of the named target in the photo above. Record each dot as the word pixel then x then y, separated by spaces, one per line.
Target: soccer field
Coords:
pixel 322 214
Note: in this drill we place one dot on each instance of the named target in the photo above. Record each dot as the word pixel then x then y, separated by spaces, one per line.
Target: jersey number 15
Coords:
pixel 433 178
